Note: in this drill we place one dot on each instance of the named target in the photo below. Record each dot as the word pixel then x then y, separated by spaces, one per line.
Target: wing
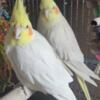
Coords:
pixel 62 38
pixel 51 76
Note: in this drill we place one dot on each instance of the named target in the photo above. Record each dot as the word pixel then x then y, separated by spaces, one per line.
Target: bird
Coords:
pixel 56 29
pixel 34 61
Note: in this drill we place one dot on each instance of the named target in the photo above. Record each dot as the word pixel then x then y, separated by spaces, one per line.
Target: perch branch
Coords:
pixel 18 94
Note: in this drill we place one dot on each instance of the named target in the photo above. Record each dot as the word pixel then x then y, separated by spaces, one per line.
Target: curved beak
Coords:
pixel 17 32
pixel 46 12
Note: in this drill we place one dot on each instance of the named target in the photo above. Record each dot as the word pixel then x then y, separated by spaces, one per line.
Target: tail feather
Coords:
pixel 83 68
pixel 65 93
pixel 68 70
pixel 84 88
pixel 83 74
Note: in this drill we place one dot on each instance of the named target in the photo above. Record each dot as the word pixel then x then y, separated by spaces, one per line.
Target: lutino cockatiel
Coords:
pixel 35 63
pixel 53 25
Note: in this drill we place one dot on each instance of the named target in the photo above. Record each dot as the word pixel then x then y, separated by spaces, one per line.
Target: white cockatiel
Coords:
pixel 53 25
pixel 35 63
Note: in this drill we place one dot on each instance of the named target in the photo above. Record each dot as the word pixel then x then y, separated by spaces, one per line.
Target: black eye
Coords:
pixel 27 26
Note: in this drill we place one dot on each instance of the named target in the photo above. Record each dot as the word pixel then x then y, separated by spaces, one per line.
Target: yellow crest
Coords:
pixel 19 15
pixel 21 21
pixel 47 4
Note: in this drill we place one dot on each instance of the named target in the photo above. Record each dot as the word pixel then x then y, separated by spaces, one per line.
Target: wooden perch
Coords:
pixel 18 94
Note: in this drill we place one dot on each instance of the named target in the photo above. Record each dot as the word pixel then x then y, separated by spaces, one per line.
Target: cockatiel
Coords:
pixel 53 25
pixel 35 63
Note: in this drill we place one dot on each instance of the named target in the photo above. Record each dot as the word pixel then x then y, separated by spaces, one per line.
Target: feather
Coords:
pixel 84 88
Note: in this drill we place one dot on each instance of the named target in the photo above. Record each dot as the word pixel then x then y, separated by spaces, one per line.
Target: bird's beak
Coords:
pixel 17 32
pixel 46 12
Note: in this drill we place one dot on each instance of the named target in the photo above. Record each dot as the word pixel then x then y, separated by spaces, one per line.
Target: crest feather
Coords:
pixel 47 4
pixel 19 15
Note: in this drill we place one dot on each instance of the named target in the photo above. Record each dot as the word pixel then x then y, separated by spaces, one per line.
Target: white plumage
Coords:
pixel 60 35
pixel 39 68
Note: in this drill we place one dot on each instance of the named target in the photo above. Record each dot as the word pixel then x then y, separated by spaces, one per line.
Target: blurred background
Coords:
pixel 79 14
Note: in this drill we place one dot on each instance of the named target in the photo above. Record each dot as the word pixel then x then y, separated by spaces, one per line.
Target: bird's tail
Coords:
pixel 83 74
pixel 64 93
pixel 83 71
pixel 84 87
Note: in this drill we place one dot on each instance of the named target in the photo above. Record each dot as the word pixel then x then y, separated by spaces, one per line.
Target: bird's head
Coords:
pixel 20 27
pixel 50 9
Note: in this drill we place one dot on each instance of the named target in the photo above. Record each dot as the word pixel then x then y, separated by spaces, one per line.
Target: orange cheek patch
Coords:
pixel 30 30
pixel 56 9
